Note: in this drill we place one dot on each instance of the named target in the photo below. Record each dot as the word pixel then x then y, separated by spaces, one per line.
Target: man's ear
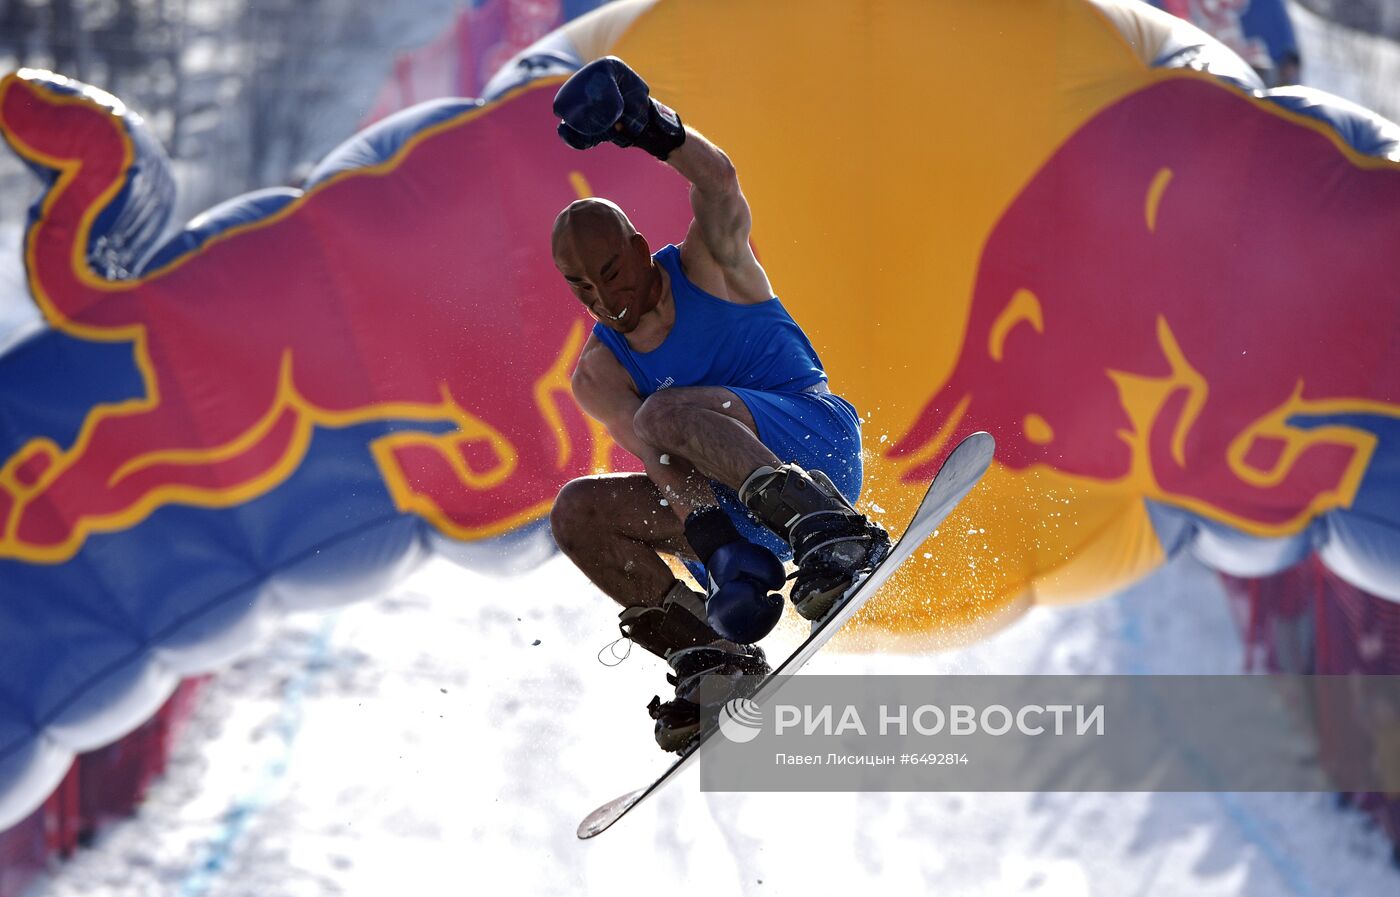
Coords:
pixel 639 244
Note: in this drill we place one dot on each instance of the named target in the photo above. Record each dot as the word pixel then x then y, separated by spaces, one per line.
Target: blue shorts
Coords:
pixel 819 431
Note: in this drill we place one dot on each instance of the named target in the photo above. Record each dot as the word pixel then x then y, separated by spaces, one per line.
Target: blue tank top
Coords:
pixel 714 342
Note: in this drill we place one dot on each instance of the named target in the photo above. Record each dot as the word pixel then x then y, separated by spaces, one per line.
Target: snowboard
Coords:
pixel 960 472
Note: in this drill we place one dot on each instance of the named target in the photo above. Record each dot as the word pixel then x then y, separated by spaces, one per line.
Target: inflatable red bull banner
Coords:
pixel 1082 226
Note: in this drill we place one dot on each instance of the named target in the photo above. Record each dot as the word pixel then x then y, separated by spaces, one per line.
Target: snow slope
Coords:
pixel 425 744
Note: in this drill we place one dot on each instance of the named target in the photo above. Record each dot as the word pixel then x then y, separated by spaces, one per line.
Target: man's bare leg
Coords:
pixel 831 542
pixel 706 433
pixel 612 527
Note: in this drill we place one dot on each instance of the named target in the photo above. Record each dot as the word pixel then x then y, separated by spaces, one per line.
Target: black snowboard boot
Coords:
pixel 832 543
pixel 707 670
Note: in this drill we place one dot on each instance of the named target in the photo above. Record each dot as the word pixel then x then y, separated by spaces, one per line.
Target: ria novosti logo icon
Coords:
pixel 740 720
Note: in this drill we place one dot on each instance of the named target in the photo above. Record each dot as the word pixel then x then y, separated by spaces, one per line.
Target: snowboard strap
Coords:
pixel 783 497
pixel 679 622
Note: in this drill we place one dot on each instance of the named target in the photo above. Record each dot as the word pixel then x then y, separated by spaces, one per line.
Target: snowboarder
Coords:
pixel 697 369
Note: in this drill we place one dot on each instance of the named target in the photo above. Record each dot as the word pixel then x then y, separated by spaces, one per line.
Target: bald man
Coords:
pixel 695 367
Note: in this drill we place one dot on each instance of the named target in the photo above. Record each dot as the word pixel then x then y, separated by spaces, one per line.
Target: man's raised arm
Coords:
pixel 721 212
pixel 607 101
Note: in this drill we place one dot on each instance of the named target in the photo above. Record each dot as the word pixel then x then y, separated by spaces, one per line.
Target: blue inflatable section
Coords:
pixel 240 210
pixel 1365 131
pixel 381 140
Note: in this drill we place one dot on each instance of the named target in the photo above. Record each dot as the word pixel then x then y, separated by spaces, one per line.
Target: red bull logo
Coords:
pixel 1187 316
pixel 418 291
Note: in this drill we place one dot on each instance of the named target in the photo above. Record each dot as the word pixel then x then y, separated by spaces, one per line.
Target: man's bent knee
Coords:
pixel 660 420
pixel 590 510
pixel 575 513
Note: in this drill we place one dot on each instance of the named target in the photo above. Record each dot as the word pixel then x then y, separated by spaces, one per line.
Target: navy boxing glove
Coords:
pixel 606 100
pixel 739 605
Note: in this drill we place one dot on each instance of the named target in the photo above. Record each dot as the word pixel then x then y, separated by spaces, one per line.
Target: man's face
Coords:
pixel 610 273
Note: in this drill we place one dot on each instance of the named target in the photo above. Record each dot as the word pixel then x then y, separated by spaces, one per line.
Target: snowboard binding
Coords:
pixel 707 669
pixel 703 677
pixel 833 545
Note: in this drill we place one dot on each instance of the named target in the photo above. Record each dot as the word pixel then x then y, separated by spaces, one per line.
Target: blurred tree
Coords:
pixel 243 93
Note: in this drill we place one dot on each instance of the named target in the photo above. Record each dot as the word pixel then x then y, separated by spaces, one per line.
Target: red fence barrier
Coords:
pixel 1306 620
pixel 101 786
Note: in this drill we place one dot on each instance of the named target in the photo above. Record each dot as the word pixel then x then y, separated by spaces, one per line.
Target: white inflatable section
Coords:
pixel 1357 551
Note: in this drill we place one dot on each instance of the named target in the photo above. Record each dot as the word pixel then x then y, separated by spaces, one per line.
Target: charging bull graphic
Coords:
pixel 1189 317
pixel 355 303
